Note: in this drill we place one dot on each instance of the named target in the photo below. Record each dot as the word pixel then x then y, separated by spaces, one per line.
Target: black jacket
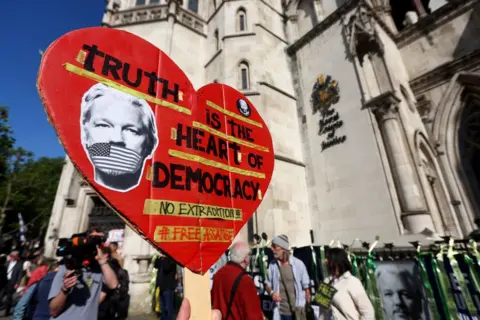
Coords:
pixel 17 273
pixel 3 277
pixel 167 269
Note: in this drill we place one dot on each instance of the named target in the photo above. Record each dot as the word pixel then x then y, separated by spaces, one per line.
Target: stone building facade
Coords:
pixel 397 156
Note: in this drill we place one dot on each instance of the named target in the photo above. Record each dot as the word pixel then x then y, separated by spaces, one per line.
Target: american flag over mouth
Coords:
pixel 106 156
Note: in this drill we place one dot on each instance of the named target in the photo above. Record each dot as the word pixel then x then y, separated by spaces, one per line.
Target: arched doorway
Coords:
pixel 104 217
pixel 434 189
pixel 469 146
pixel 455 131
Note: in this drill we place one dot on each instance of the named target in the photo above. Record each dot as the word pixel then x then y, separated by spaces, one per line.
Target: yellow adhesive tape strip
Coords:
pixel 93 76
pixel 190 210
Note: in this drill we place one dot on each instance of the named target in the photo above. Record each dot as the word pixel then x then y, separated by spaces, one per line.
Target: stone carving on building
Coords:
pixel 361 35
pixel 151 14
pixel 325 94
pixel 424 108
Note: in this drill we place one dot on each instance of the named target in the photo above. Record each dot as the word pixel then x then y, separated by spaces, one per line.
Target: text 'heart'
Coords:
pixel 185 169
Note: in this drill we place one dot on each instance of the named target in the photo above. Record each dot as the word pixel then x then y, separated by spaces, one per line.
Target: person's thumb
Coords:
pixel 184 312
pixel 216 315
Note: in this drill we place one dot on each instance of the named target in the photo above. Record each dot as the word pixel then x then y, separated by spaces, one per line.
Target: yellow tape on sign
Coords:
pixel 214 164
pixel 190 210
pixel 228 137
pixel 233 115
pixel 192 234
pixel 93 76
pixel 149 174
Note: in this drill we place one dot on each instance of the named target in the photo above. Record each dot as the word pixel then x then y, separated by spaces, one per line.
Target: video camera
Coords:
pixel 80 250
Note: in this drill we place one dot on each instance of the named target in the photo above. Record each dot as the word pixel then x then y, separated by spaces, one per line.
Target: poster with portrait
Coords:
pixel 118 133
pixel 185 168
pixel 401 291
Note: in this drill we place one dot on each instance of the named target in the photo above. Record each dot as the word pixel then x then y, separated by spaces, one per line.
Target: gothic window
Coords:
pixel 217 40
pixel 434 192
pixel 469 145
pixel 244 75
pixel 212 6
pixel 193 5
pixel 140 2
pixel 405 13
pixel 241 20
pixel 306 16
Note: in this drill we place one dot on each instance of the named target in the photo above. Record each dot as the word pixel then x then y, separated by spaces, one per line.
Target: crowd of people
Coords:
pixel 41 288
pixel 234 293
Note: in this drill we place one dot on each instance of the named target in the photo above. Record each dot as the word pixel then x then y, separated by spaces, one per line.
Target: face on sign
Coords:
pixel 119 133
pixel 243 107
pixel 399 291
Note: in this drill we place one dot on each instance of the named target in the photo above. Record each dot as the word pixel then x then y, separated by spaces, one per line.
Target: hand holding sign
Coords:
pixel 276 297
pixel 324 295
pixel 185 169
pixel 185 312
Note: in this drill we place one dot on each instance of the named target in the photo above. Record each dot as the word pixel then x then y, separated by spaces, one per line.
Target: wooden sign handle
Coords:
pixel 196 289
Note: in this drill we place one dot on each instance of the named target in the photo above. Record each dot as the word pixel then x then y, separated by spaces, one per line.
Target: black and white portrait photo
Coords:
pixel 118 133
pixel 401 292
pixel 243 108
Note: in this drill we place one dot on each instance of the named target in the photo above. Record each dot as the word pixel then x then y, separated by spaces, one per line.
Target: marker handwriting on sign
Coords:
pixel 217 149
pixel 193 210
pixel 181 177
pixel 199 162
pixel 237 130
pixel 192 138
pixel 192 234
pixel 121 71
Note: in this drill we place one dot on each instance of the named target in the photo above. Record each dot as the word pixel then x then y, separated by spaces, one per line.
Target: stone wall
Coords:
pixel 449 34
pixel 349 178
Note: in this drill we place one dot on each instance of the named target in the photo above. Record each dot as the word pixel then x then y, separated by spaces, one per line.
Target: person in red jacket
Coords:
pixel 233 291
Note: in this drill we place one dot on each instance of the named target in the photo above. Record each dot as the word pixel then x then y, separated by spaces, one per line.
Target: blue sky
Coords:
pixel 25 29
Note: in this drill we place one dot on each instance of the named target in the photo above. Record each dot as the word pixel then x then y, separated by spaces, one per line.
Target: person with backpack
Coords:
pixel 38 308
pixel 233 291
pixel 30 290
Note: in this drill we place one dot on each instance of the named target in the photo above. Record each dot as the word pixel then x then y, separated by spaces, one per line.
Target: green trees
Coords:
pixel 27 185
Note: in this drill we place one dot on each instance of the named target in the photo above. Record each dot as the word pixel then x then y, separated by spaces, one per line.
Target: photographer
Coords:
pixel 75 294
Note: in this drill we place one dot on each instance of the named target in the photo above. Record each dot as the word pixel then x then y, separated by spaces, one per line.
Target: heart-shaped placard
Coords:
pixel 185 169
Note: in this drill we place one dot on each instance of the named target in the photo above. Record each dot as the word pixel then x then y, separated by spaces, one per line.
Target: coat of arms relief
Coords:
pixel 325 94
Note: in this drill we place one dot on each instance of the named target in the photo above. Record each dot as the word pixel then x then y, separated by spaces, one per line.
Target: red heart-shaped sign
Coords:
pixel 185 169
